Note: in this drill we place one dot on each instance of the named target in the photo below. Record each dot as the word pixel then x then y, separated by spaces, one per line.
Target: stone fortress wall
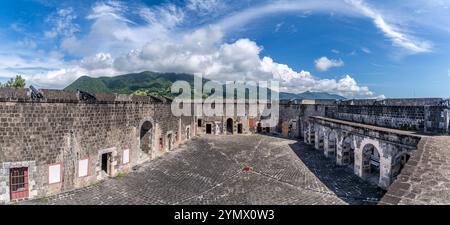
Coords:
pixel 67 140
pixel 55 136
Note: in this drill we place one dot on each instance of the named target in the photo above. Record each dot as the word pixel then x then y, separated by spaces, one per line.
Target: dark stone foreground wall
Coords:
pixel 61 129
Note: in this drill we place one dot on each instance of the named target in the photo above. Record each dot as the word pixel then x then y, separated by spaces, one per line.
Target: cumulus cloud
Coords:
pixel 99 61
pixel 323 63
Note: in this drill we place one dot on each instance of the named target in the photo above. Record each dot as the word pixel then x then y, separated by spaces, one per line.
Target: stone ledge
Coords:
pixel 61 96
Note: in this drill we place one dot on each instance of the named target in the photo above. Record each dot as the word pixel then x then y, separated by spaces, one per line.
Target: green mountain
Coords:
pixel 159 84
pixel 310 95
pixel 145 83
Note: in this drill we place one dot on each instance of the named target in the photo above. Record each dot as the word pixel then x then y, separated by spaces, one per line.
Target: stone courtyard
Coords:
pixel 243 169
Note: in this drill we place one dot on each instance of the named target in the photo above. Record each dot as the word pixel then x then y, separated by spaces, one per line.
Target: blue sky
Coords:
pixel 356 48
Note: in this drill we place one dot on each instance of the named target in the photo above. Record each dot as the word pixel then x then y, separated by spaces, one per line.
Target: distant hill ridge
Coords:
pixel 159 84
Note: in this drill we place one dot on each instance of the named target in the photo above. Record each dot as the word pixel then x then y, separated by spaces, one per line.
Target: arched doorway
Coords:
pixel 146 135
pixel 371 163
pixel 229 126
pixel 332 147
pixel 348 152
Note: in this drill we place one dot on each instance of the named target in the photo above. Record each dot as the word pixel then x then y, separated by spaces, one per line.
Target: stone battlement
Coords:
pixel 396 102
pixel 60 96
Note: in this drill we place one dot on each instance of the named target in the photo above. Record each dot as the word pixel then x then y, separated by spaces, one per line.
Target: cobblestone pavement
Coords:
pixel 210 170
pixel 426 177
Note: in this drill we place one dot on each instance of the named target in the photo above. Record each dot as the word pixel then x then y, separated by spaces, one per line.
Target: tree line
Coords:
pixel 17 82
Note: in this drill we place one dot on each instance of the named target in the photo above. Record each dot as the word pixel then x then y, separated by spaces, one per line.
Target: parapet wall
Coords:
pixel 421 115
pixel 60 96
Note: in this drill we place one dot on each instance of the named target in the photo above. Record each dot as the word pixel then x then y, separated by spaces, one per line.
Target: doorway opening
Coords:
pixel 107 163
pixel 146 137
pixel 208 128
pixel 240 128
pixel 230 126
pixel 259 128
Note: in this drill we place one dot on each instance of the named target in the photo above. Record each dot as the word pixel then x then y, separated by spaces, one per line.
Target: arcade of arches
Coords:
pixel 372 158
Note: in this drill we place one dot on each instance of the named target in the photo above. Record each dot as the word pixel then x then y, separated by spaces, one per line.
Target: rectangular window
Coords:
pixel 54 174
pixel 19 183
pixel 83 168
pixel 126 156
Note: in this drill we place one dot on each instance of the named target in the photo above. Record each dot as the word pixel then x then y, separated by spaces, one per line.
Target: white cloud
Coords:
pixel 99 61
pixel 278 26
pixel 204 6
pixel 324 64
pixel 335 51
pixel 353 8
pixel 448 72
pixel 397 37
pixel 366 50
pixel 62 23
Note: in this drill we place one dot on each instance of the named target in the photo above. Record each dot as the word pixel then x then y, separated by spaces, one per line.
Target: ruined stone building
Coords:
pixel 60 141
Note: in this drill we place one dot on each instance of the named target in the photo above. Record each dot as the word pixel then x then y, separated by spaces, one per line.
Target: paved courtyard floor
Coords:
pixel 214 170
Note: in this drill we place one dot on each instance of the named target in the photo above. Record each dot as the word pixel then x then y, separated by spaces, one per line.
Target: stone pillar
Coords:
pixel 447 120
pixel 316 138
pixel 325 146
pixel 385 172
pixel 358 164
pixel 339 156
pixel 307 135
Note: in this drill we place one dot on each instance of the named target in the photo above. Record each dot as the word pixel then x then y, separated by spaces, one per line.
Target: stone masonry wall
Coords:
pixel 61 129
pixel 413 118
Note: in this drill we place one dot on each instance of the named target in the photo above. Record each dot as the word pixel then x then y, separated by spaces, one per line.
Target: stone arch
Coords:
pixel 230 126
pixel 371 163
pixel 331 145
pixel 146 135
